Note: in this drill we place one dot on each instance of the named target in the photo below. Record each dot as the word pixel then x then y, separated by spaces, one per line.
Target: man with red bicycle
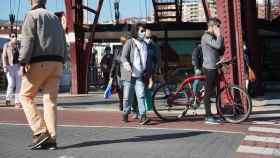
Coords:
pixel 212 45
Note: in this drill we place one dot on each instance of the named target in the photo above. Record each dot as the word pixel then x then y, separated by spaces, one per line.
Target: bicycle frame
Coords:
pixel 228 96
pixel 190 93
pixel 188 82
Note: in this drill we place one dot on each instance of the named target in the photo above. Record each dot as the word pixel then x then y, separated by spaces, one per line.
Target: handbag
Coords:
pixel 148 99
pixel 251 74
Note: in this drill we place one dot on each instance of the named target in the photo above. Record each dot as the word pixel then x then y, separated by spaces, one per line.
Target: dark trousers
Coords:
pixel 210 84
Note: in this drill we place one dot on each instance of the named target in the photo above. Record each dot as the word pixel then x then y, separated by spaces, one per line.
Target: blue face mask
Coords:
pixel 141 35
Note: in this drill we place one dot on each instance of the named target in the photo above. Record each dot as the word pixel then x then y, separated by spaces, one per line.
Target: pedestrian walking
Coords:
pixel 43 51
pixel 11 68
pixel 154 57
pixel 133 68
pixel 106 63
pixel 115 73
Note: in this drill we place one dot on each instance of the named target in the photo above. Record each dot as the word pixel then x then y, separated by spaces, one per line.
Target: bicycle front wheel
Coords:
pixel 166 105
pixel 234 104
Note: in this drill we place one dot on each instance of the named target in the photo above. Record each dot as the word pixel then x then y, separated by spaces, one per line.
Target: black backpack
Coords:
pixel 197 56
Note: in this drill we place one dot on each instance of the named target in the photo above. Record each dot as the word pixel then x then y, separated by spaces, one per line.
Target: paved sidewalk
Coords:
pixel 95 101
pixel 269 105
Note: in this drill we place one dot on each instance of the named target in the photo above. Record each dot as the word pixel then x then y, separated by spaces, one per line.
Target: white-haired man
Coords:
pixel 42 54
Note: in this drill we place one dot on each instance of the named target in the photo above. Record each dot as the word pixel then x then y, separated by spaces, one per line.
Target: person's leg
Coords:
pixel 209 89
pixel 50 89
pixel 31 81
pixel 195 87
pixel 106 77
pixel 11 84
pixel 211 76
pixel 18 83
pixel 135 105
pixel 120 94
pixel 128 92
pixel 140 94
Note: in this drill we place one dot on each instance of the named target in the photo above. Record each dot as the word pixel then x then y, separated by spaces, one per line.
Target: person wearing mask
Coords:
pixel 153 56
pixel 11 68
pixel 133 68
pixel 42 54
pixel 106 63
pixel 212 45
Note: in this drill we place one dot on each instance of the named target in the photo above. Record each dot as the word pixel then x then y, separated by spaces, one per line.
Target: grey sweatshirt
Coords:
pixel 43 38
pixel 211 49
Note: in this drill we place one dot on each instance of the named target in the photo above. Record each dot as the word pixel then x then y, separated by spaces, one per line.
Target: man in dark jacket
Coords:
pixel 42 53
pixel 106 63
pixel 115 72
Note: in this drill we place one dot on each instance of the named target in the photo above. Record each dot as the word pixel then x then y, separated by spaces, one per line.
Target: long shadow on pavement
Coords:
pixel 136 139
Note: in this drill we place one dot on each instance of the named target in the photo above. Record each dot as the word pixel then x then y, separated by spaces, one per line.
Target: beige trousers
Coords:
pixel 44 76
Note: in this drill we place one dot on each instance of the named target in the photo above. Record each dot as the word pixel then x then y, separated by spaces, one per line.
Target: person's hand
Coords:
pixel 222 59
pixel 5 69
pixel 151 83
pixel 217 31
pixel 24 69
pixel 127 66
pixel 197 71
pixel 110 81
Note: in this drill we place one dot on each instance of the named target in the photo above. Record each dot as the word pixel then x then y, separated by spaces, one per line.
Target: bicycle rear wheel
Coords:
pixel 236 105
pixel 166 105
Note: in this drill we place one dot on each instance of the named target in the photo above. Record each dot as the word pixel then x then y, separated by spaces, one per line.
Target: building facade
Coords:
pixel 193 10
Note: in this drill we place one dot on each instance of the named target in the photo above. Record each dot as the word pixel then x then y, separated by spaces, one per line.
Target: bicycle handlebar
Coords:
pixel 226 62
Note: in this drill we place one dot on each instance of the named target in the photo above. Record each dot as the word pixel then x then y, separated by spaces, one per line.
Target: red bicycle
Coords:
pixel 171 102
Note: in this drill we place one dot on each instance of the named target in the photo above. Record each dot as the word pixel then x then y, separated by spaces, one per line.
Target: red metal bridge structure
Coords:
pixel 239 18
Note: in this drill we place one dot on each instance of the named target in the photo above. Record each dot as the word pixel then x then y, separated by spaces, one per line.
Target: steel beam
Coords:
pixel 239 43
pixel 225 14
pixel 229 12
pixel 253 42
pixel 69 4
pixel 80 51
pixel 206 9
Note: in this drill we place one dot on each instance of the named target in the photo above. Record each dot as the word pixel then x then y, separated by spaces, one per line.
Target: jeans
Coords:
pixel 136 85
pixel 14 81
pixel 196 84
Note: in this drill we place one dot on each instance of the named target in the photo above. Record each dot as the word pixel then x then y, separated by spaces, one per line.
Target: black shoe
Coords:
pixel 211 120
pixel 8 102
pixel 120 107
pixel 125 118
pixel 144 120
pixel 220 119
pixel 50 144
pixel 38 140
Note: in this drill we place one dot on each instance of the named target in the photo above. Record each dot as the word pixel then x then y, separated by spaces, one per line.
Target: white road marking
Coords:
pixel 264 115
pixel 126 127
pixel 264 129
pixel 258 150
pixel 262 139
pixel 276 123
